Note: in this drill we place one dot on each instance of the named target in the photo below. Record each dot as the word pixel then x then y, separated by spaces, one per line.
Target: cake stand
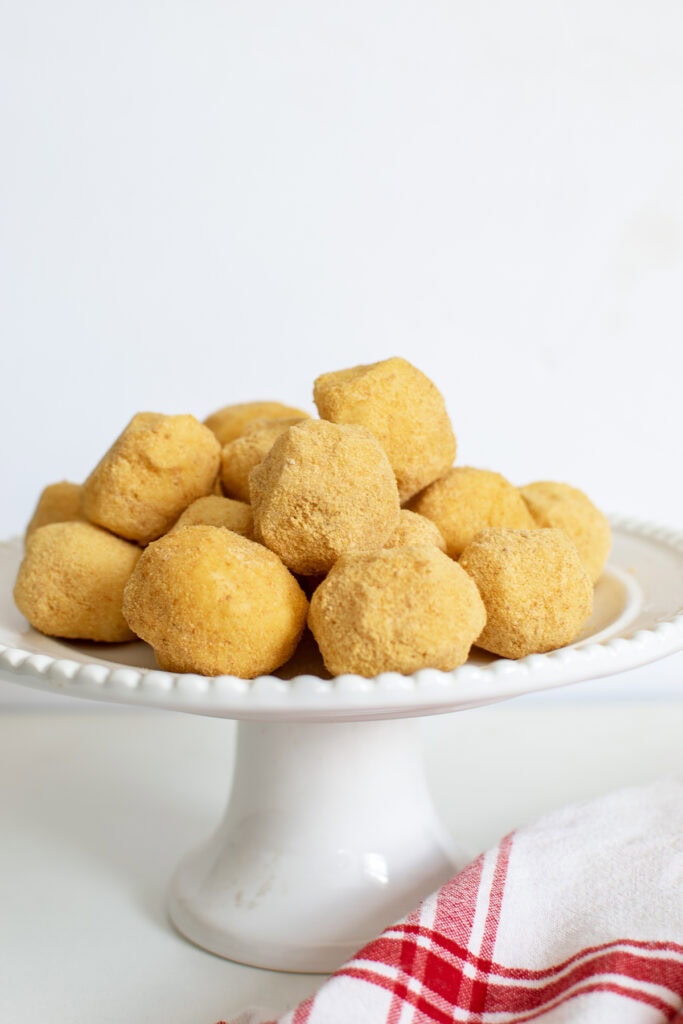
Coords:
pixel 330 833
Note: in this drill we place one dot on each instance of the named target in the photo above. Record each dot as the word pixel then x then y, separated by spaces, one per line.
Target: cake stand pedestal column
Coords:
pixel 329 836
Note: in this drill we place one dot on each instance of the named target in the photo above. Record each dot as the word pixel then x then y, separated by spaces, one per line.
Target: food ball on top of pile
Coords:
pixel 58 503
pixel 535 588
pixel 403 409
pixel 70 583
pixel 156 468
pixel 248 451
pixel 569 509
pixel 466 500
pixel 396 610
pixel 232 420
pixel 323 490
pixel 213 602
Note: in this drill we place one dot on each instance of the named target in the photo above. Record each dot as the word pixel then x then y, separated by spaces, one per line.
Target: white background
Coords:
pixel 209 202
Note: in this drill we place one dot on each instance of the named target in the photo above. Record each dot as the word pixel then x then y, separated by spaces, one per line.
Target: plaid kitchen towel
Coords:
pixel 578 918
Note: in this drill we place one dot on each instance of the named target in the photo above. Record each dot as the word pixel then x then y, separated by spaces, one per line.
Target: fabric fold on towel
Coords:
pixel 578 918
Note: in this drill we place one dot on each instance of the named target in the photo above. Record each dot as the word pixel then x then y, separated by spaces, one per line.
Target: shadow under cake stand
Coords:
pixel 330 833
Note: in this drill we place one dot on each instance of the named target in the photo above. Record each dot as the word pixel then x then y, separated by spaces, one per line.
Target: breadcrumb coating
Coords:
pixel 466 500
pixel 156 468
pixel 248 451
pixel 535 588
pixel 323 490
pixel 403 409
pixel 415 530
pixel 569 509
pixel 232 420
pixel 396 610
pixel 212 602
pixel 215 511
pixel 58 503
pixel 70 583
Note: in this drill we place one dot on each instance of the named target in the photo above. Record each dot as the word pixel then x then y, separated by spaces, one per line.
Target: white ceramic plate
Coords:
pixel 638 618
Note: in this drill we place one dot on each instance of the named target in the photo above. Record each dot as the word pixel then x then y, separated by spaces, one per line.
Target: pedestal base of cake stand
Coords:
pixel 329 836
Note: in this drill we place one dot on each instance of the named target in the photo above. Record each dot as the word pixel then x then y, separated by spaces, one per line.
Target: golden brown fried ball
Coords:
pixel 231 421
pixel 215 511
pixel 536 590
pixel 323 490
pixel 71 581
pixel 59 503
pixel 403 409
pixel 569 509
pixel 212 602
pixel 467 500
pixel 396 610
pixel 414 530
pixel 247 452
pixel 156 468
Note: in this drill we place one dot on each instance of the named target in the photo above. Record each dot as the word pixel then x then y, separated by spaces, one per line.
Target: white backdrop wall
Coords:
pixel 215 201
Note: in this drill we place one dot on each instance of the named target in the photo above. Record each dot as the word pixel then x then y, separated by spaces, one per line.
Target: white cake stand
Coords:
pixel 330 833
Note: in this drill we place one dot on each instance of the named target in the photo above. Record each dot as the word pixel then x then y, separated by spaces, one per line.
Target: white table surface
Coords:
pixel 98 804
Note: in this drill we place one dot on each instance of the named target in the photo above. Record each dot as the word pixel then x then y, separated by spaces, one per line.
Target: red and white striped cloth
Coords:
pixel 578 918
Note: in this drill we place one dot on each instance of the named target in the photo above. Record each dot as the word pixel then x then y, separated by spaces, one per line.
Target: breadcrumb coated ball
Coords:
pixel 58 503
pixel 248 451
pixel 569 509
pixel 415 530
pixel 215 511
pixel 156 468
pixel 70 583
pixel 323 490
pixel 403 409
pixel 212 602
pixel 535 588
pixel 230 421
pixel 396 610
pixel 466 500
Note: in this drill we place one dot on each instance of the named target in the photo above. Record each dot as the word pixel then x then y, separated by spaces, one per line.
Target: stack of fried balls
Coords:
pixel 219 543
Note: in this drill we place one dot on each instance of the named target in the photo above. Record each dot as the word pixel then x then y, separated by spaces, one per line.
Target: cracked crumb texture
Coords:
pixel 323 490
pixel 248 451
pixel 396 610
pixel 217 511
pixel 70 583
pixel 156 468
pixel 58 503
pixel 413 530
pixel 402 408
pixel 569 509
pixel 535 588
pixel 232 420
pixel 466 500
pixel 212 602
